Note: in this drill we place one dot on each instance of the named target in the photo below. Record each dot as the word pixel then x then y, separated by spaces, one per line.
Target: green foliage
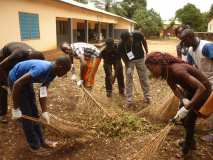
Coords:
pixel 122 125
pixel 192 16
pixel 127 8
pixel 82 1
pixel 210 14
pixel 148 21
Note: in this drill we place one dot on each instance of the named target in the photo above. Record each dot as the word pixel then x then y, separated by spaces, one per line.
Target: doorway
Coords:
pixel 63 30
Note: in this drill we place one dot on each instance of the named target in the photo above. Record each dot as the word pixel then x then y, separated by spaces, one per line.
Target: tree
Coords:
pixel 210 14
pixel 108 4
pixel 192 16
pixel 148 21
pixel 82 1
pixel 127 8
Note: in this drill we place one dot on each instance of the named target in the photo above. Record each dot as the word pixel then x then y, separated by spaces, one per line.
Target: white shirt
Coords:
pixel 85 49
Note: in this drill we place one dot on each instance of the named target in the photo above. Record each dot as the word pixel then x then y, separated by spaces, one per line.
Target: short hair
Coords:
pixel 183 26
pixel 187 33
pixel 64 61
pixel 62 46
pixel 109 42
pixel 125 35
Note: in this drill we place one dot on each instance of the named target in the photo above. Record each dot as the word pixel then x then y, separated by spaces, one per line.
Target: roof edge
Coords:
pixel 81 5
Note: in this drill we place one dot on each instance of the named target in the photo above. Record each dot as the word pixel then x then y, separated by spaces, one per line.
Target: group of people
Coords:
pixel 189 75
pixel 131 49
pixel 20 67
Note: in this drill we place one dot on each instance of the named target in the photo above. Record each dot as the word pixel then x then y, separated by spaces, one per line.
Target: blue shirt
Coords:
pixel 40 71
pixel 208 50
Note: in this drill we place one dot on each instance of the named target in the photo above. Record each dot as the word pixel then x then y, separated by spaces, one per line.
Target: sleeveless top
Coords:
pixel 203 63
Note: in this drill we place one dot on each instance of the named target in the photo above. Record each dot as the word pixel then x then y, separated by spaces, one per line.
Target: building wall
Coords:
pixel 121 27
pixel 210 26
pixel 47 10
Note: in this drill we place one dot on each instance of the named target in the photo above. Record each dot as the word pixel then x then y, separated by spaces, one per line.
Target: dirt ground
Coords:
pixel 115 139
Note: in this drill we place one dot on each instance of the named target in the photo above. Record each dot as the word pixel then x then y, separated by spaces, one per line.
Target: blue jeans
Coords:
pixel 32 130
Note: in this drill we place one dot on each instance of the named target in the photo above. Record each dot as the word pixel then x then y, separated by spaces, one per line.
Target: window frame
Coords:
pixel 30 37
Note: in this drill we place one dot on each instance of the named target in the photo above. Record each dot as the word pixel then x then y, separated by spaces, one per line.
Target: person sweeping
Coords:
pixel 196 87
pixel 89 57
pixel 20 80
pixel 11 54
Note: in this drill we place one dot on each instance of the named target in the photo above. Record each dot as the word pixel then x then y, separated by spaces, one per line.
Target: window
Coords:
pixel 29 26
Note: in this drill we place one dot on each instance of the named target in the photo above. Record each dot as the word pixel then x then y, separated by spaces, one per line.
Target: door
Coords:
pixel 63 31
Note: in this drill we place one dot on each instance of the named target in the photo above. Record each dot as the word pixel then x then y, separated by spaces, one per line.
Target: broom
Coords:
pixel 152 146
pixel 91 101
pixel 65 130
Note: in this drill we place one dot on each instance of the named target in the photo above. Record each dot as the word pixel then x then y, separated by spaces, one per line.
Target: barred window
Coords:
pixel 29 26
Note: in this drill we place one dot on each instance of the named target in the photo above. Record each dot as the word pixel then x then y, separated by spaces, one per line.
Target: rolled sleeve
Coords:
pixel 207 51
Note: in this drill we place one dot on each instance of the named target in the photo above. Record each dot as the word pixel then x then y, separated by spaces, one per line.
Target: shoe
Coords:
pixel 128 105
pixel 49 144
pixel 147 100
pixel 41 151
pixel 3 119
pixel 208 138
pixel 122 94
pixel 109 94
pixel 193 145
pixel 186 156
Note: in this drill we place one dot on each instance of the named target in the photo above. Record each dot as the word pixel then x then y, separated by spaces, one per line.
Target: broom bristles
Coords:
pixel 91 101
pixel 151 147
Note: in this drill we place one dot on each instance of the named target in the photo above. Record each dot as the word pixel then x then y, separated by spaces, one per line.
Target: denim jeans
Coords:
pixel 32 130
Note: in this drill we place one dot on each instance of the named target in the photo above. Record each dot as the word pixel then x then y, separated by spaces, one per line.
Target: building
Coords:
pixel 169 27
pixel 210 26
pixel 44 24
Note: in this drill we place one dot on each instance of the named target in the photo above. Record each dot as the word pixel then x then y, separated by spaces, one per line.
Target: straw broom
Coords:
pixel 151 147
pixel 59 126
pixel 61 138
pixel 88 97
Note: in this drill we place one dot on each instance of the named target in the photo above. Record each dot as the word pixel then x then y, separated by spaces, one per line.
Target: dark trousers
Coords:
pixel 32 130
pixel 189 122
pixel 118 70
pixel 3 101
pixel 189 125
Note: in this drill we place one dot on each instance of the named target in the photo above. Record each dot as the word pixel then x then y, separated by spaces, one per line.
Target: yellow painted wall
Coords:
pixel 210 26
pixel 47 10
pixel 124 25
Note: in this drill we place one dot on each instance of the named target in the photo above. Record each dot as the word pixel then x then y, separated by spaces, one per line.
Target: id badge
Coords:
pixel 43 92
pixel 130 55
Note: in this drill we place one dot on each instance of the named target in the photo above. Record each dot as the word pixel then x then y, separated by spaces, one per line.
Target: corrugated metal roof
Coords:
pixel 85 6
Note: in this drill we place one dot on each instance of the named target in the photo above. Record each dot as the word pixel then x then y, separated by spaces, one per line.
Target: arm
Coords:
pixel 18 85
pixel 200 89
pixel 176 90
pixel 190 59
pixel 84 67
pixel 43 99
pixel 145 44
pixel 178 49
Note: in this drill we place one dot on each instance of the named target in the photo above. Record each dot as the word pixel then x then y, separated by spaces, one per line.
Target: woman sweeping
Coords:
pixel 196 89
